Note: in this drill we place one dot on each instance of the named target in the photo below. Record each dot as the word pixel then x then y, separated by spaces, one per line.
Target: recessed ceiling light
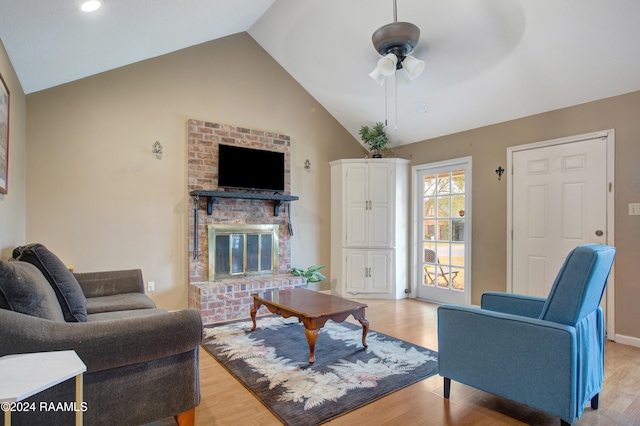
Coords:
pixel 420 107
pixel 90 6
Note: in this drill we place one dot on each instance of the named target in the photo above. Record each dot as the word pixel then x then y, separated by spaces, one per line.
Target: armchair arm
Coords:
pixel 526 360
pixel 517 304
pixel 104 344
pixel 107 283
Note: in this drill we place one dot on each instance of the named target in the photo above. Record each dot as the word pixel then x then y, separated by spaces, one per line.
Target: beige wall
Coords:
pixel 488 147
pixel 100 199
pixel 12 204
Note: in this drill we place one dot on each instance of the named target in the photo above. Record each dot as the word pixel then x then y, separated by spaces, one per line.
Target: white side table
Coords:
pixel 24 375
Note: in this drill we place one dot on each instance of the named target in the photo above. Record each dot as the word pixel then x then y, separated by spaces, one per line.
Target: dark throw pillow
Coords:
pixel 24 289
pixel 65 285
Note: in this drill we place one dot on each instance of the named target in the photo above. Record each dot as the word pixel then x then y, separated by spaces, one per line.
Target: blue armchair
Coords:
pixel 547 354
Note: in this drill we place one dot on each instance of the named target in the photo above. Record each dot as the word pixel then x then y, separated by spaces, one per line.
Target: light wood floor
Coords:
pixel 226 402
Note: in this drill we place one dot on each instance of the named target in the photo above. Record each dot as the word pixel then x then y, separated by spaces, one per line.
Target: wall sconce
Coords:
pixel 499 172
pixel 157 150
pixel 307 164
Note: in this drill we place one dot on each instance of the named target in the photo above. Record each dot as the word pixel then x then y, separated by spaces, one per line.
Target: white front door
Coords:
pixel 560 195
pixel 442 231
pixel 559 202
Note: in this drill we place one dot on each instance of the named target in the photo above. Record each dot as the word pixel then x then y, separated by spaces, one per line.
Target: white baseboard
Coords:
pixel 627 340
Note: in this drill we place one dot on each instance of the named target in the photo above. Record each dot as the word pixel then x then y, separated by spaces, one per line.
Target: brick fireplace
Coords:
pixel 230 298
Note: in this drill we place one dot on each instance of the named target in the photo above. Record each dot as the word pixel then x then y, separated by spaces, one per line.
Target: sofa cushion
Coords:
pixel 119 302
pixel 24 289
pixel 117 315
pixel 65 285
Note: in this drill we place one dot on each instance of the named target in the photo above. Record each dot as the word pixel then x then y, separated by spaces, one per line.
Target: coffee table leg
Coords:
pixel 365 330
pixel 312 336
pixel 254 310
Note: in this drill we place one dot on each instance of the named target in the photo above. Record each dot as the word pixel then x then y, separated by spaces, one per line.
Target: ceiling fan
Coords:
pixel 395 42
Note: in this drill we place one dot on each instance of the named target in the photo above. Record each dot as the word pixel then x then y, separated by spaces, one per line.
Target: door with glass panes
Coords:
pixel 442 197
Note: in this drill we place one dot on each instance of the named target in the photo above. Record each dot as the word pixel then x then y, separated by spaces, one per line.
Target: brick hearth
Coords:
pixel 231 298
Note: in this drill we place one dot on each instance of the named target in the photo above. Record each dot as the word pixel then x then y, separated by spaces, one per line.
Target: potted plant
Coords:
pixel 375 138
pixel 312 274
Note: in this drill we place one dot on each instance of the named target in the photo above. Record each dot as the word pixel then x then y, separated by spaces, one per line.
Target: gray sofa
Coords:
pixel 142 362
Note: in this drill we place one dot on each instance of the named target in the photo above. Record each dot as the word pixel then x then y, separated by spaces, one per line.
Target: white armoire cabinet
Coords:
pixel 370 227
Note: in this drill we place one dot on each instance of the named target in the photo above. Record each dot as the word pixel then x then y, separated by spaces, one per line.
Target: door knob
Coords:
pixel 599 233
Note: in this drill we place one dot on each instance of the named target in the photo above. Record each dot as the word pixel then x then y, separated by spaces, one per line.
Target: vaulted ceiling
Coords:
pixel 487 61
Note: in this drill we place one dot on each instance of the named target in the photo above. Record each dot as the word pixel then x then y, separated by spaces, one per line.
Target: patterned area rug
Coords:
pixel 272 362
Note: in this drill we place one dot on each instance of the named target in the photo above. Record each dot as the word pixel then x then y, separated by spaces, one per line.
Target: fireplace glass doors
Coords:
pixel 237 250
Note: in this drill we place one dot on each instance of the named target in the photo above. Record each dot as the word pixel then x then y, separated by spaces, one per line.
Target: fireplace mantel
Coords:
pixel 212 195
pixel 278 199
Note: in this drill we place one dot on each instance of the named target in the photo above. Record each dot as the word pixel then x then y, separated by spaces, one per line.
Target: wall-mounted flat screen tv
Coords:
pixel 248 168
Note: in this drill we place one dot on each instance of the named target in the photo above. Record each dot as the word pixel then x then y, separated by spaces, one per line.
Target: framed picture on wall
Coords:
pixel 4 136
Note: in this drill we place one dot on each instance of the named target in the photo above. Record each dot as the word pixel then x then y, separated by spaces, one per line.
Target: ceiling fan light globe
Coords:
pixel 387 64
pixel 413 66
pixel 403 76
pixel 376 76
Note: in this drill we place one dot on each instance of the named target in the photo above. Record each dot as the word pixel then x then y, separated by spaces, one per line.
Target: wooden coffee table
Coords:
pixel 313 309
